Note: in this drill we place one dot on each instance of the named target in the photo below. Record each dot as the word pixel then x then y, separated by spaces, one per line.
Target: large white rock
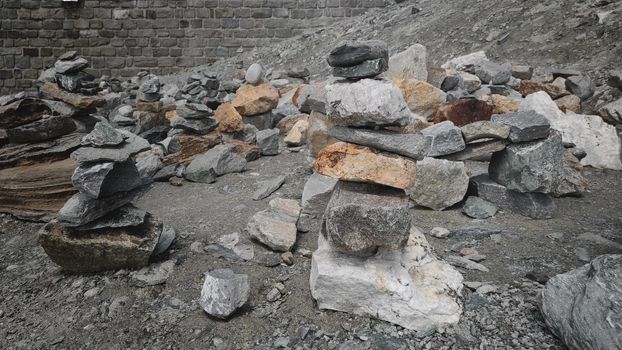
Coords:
pixel 409 287
pixel 367 102
pixel 223 292
pixel 598 139
pixel 439 183
pixel 409 64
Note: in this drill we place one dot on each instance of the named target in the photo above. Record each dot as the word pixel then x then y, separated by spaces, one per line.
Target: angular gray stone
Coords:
pixel 199 126
pixel 439 184
pixel 537 166
pixel 73 81
pixel 316 193
pixel 254 73
pixel 360 218
pixel 149 166
pixel 127 215
pixel 582 307
pixel 465 263
pixel 415 146
pixel 167 236
pixel 193 111
pixel 268 141
pixel 485 129
pixel 133 144
pixel 366 69
pixel 522 72
pixel 478 208
pixel 153 274
pixel 612 112
pixel 82 209
pixel 266 188
pixel 349 53
pixel 123 115
pixel 492 73
pixel 446 138
pixel 409 287
pixel 524 126
pixel 276 226
pixel 532 205
pixel 104 179
pixel 70 66
pixel 215 162
pixel 103 135
pixel 46 128
pixel 366 102
pixel 581 86
pixel 224 292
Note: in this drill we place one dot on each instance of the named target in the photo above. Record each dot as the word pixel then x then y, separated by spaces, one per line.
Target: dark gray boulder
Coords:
pixel 268 141
pixel 524 126
pixel 133 144
pixel 104 179
pixel 349 53
pixel 103 134
pixel 218 161
pixel 446 139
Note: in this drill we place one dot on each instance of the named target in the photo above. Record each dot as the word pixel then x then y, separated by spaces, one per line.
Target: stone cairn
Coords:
pixel 98 228
pixel 370 259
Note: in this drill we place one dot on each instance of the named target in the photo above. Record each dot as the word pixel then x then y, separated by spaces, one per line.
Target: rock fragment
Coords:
pixel 276 226
pixel 446 139
pixel 439 184
pixel 224 292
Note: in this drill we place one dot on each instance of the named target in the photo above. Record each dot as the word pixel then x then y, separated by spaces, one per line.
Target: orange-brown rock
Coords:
pixel 189 146
pixel 463 112
pixel 528 87
pixel 570 103
pixel 245 150
pixel 228 118
pixel 170 115
pixel 255 99
pixel 286 124
pixel 317 133
pixel 76 100
pixel 421 97
pixel 36 191
pixel 501 104
pixel 349 162
pixel 154 107
pixel 298 134
pixel 22 112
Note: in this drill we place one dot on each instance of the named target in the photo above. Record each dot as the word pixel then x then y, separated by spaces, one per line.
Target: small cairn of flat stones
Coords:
pixel 70 74
pixel 98 228
pixel 368 250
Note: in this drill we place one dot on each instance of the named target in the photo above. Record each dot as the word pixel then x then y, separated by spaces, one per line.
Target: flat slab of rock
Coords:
pixel 255 99
pixel 481 151
pixel 70 66
pixel 446 139
pixel 81 209
pixel 351 53
pixel 199 126
pixel 366 103
pixel 524 126
pixel 580 306
pixel 537 166
pixel 350 162
pixel 414 146
pixel 366 69
pixel 266 188
pixel 103 135
pixel 408 287
pixel 127 215
pixel 76 100
pixel 217 161
pixel 276 226
pixel 133 145
pixel 360 218
pixel 463 112
pixel 465 263
pixel 185 147
pixel 223 292
pixel 153 274
pixel 48 127
pixel 101 250
pixel 440 183
pixel 532 205
pixel 484 130
pixel 22 112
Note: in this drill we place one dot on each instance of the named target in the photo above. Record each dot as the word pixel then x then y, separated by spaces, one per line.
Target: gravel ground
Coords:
pixel 42 307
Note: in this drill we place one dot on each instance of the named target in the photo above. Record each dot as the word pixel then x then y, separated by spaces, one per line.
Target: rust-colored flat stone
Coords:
pixel 463 112
pixel 22 112
pixel 190 146
pixel 76 100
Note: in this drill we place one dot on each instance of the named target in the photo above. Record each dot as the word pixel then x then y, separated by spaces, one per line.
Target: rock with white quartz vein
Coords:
pixel 409 287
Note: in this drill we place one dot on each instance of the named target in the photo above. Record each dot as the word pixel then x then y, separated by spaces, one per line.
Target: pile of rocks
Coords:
pixel 205 88
pixel 370 260
pixel 98 228
pixel 70 74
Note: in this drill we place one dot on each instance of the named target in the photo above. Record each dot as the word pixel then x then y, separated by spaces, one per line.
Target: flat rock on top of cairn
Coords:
pixel 351 53
pixel 414 146
pixel 361 217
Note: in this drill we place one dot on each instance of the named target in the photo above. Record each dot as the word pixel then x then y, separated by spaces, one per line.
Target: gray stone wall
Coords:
pixel 122 37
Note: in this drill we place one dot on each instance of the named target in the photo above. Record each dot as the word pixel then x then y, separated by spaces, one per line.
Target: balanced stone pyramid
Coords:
pixel 98 228
pixel 370 259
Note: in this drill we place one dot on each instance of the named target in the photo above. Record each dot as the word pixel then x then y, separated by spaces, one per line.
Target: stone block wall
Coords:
pixel 122 37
